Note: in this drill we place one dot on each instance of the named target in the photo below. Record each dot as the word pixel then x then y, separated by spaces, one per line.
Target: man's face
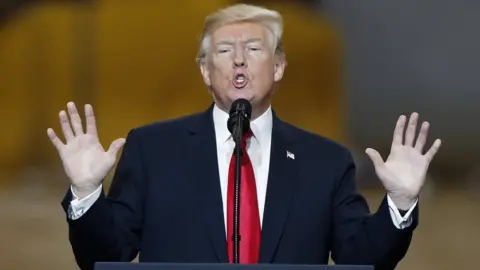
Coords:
pixel 241 63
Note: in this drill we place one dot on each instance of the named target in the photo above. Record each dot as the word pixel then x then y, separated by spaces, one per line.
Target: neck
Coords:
pixel 257 111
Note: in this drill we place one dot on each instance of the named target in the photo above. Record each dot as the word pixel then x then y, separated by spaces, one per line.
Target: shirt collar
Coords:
pixel 261 126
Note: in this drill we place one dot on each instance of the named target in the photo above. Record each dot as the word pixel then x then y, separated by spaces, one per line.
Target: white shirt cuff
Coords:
pixel 399 221
pixel 79 207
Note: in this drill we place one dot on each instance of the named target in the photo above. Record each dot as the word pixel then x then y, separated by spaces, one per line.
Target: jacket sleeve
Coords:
pixel 360 237
pixel 111 228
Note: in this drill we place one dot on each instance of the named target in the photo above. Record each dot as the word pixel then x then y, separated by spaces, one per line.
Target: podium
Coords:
pixel 222 266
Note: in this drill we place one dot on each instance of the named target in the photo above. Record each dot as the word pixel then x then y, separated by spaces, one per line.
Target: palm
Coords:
pixel 404 166
pixel 84 159
pixel 404 172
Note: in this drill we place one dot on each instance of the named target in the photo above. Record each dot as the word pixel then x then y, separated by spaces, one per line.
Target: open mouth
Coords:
pixel 240 80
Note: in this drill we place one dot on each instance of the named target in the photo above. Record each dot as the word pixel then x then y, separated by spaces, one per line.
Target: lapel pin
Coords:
pixel 290 155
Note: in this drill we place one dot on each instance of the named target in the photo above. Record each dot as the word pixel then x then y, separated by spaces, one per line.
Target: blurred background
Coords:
pixel 354 67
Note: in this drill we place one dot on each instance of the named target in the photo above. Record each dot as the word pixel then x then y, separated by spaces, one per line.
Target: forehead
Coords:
pixel 240 31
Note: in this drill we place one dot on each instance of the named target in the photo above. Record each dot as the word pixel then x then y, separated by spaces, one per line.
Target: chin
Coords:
pixel 247 97
pixel 241 93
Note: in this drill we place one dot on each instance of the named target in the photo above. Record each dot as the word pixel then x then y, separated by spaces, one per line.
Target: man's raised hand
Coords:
pixel 85 161
pixel 403 173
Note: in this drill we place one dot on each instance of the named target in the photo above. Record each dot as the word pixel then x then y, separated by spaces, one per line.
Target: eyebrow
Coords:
pixel 229 42
pixel 251 40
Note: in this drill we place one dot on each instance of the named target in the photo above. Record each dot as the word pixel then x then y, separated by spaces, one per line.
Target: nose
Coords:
pixel 239 59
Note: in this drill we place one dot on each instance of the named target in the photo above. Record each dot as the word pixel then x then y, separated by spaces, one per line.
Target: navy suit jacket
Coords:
pixel 165 202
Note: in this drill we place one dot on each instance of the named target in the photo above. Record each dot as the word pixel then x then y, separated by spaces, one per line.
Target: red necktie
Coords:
pixel 249 217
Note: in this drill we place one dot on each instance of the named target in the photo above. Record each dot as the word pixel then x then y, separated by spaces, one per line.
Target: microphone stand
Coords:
pixel 238 176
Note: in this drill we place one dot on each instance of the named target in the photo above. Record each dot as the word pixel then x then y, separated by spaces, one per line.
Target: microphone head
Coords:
pixel 241 108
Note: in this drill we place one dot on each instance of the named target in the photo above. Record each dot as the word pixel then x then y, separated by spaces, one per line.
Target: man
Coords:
pixel 171 197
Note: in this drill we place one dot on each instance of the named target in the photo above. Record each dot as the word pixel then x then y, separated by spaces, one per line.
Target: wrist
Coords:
pixel 403 203
pixel 83 191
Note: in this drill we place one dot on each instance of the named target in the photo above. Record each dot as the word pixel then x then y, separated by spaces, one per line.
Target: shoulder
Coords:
pixel 167 127
pixel 313 144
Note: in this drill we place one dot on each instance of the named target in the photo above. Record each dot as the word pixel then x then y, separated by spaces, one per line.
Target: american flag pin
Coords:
pixel 290 155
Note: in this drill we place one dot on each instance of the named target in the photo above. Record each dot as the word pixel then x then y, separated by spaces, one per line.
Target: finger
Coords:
pixel 411 129
pixel 433 150
pixel 54 139
pixel 115 146
pixel 75 118
pixel 422 137
pixel 375 157
pixel 66 128
pixel 90 119
pixel 398 132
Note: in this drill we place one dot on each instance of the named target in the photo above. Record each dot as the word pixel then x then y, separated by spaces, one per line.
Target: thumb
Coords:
pixel 375 157
pixel 115 146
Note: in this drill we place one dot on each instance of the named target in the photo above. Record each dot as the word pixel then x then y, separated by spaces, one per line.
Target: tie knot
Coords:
pixel 248 134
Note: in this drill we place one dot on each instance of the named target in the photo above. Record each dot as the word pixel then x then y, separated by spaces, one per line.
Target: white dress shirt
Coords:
pixel 258 148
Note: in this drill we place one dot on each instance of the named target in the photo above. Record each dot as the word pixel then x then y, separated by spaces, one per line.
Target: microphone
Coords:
pixel 239 121
pixel 238 124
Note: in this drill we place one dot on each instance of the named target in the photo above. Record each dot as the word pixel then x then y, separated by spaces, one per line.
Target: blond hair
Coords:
pixel 242 13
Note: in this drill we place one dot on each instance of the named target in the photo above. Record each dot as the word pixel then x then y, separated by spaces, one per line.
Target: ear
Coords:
pixel 279 68
pixel 205 72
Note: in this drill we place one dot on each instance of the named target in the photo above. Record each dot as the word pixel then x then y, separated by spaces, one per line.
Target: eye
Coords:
pixel 223 50
pixel 253 49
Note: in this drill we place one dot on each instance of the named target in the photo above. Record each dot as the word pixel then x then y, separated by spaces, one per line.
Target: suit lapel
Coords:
pixel 280 189
pixel 206 185
pixel 206 182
